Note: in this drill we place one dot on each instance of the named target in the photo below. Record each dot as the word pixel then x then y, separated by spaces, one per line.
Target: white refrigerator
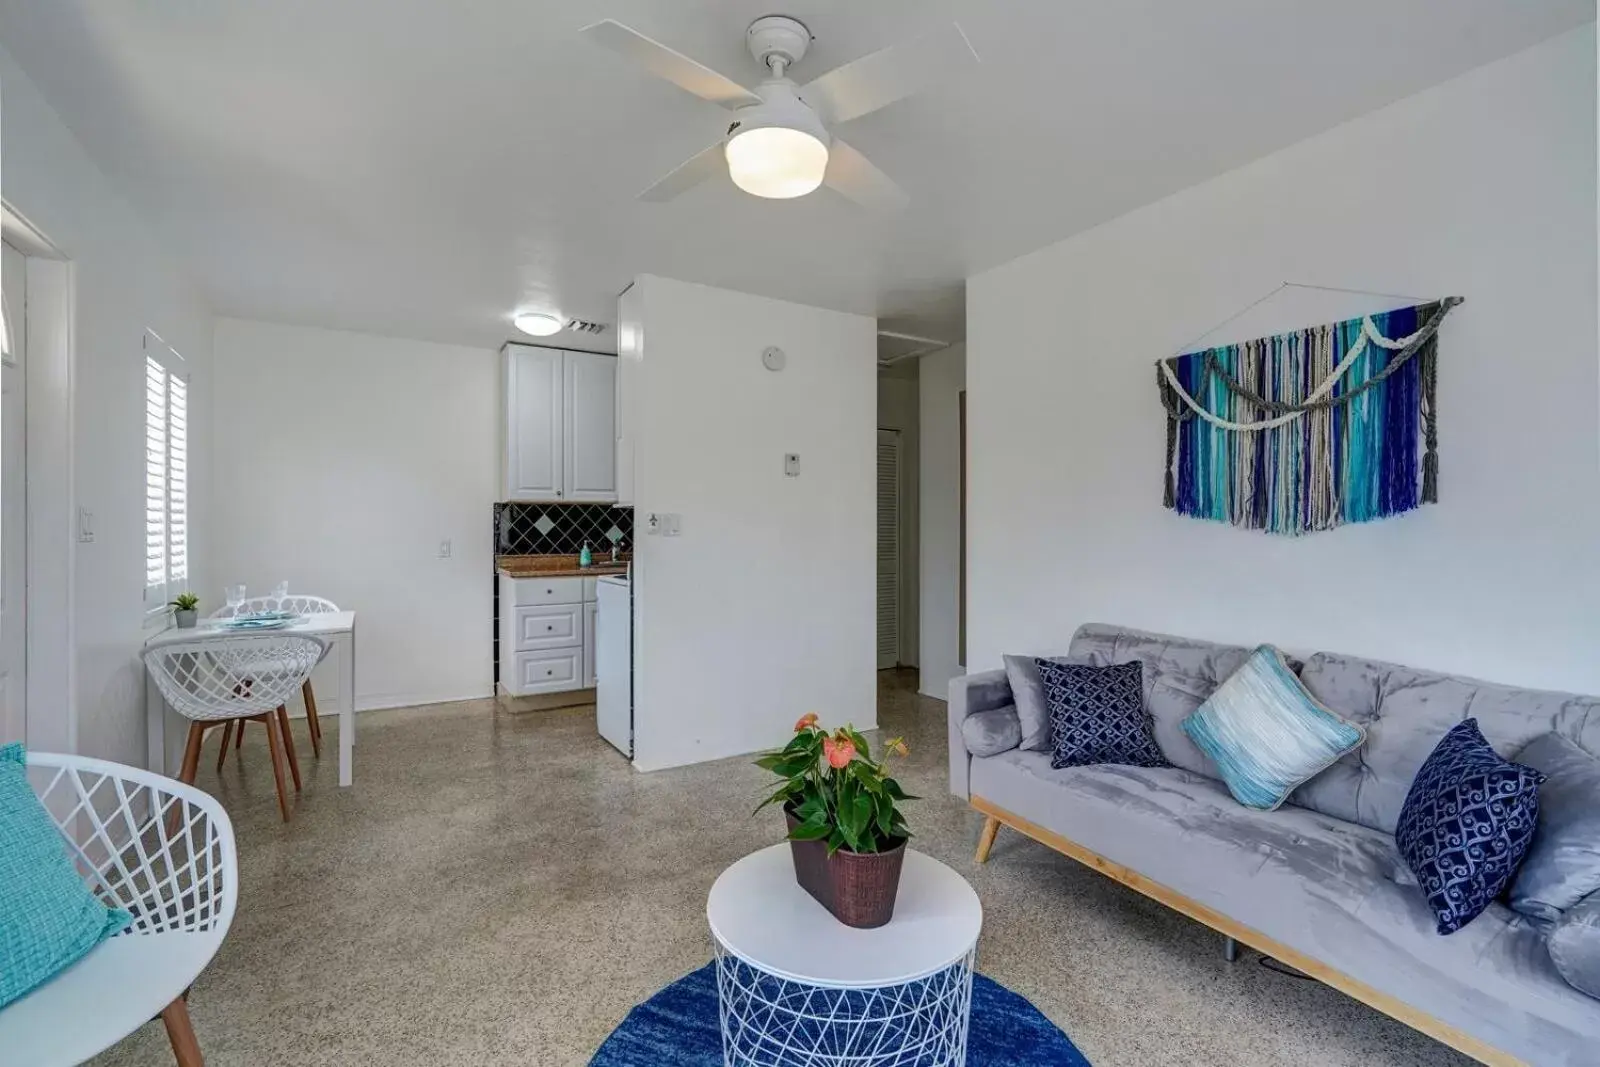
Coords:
pixel 613 652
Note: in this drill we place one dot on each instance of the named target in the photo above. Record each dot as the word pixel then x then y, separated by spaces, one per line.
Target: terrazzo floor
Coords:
pixel 500 888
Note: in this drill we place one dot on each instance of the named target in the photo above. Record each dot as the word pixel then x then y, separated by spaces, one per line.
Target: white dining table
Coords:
pixel 338 628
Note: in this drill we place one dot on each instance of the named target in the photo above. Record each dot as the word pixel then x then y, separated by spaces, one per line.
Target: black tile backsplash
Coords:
pixel 561 529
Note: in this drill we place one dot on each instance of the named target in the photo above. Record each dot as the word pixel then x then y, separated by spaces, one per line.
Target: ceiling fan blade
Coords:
pixel 853 175
pixel 675 67
pixel 688 174
pixel 864 85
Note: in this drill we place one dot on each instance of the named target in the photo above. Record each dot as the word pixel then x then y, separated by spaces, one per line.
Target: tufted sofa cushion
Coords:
pixel 1179 674
pixel 1405 712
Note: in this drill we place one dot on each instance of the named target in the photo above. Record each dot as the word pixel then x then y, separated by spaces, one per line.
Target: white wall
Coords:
pixel 897 410
pixel 346 459
pixel 942 377
pixel 763 608
pixel 124 282
pixel 1482 187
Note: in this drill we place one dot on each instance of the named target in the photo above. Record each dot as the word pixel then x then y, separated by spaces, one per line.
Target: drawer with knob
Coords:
pixel 547 626
pixel 548 590
pixel 554 670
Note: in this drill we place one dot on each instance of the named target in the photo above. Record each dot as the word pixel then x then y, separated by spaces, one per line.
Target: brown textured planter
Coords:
pixel 857 888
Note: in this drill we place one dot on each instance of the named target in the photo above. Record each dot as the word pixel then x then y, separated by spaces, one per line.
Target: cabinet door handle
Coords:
pixel 549 629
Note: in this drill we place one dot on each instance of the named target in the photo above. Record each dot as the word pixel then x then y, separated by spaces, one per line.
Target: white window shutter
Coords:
pixel 166 475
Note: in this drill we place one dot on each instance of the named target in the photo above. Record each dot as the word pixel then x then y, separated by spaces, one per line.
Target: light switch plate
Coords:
pixel 791 464
pixel 671 525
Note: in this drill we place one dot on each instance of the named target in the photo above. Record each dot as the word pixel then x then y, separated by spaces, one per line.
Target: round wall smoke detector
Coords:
pixel 772 358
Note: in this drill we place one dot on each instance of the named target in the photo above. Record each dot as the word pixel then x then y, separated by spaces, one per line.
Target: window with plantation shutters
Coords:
pixel 166 475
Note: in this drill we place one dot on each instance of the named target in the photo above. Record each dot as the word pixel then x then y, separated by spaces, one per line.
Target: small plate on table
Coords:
pixel 266 620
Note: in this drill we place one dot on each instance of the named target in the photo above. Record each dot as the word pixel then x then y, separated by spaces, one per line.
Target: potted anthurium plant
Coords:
pixel 846 833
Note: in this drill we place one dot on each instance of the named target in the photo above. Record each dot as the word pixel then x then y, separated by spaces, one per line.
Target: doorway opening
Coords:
pixel 38 689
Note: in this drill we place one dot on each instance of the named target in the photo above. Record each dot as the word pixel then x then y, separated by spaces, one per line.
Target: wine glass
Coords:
pixel 280 590
pixel 235 595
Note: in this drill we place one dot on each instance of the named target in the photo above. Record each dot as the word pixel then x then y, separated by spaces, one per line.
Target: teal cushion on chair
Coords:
pixel 1266 734
pixel 48 917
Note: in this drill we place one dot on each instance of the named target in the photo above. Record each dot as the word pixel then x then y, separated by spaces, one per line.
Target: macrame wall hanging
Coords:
pixel 1308 430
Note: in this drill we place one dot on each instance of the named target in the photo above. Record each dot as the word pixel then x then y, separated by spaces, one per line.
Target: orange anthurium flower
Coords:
pixel 897 747
pixel 839 752
pixel 806 721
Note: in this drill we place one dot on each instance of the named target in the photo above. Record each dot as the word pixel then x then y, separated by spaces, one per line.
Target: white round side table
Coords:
pixel 795 986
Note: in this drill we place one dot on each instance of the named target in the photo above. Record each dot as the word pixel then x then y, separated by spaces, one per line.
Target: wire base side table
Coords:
pixel 796 988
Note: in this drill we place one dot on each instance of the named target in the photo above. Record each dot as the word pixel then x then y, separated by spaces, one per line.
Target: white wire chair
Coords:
pixel 228 680
pixel 299 604
pixel 165 852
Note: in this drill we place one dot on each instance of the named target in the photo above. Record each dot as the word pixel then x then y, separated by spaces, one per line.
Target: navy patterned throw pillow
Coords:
pixel 1466 824
pixel 1097 715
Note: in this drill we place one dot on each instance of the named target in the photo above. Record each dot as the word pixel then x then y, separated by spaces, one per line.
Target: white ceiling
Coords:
pixel 421 168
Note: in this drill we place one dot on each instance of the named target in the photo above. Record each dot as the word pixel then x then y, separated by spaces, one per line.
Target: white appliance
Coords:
pixel 614 661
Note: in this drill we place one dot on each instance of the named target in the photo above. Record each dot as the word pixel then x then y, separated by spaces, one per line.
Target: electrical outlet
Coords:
pixel 791 464
pixel 444 548
pixel 652 523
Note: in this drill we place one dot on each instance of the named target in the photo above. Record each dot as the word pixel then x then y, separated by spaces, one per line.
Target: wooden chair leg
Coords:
pixel 222 750
pixel 180 1031
pixel 276 748
pixel 188 770
pixel 191 753
pixel 288 745
pixel 238 739
pixel 311 717
pixel 986 839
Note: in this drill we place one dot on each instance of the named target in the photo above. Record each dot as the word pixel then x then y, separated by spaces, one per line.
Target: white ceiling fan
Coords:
pixel 778 145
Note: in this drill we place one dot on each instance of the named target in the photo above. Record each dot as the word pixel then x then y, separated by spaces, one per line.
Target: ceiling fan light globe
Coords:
pixel 537 324
pixel 776 162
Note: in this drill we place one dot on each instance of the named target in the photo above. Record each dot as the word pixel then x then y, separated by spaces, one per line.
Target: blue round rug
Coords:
pixel 678 1028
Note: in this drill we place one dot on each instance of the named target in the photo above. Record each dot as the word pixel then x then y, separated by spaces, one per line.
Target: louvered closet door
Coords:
pixel 888 548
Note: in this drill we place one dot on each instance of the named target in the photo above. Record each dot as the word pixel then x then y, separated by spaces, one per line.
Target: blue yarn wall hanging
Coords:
pixel 1308 430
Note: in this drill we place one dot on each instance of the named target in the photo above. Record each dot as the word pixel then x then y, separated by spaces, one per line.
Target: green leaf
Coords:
pixel 811 808
pixel 783 792
pixel 896 792
pixel 770 760
pixel 862 747
pixel 810 831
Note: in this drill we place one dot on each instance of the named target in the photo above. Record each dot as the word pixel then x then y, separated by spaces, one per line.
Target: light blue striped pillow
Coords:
pixel 1266 734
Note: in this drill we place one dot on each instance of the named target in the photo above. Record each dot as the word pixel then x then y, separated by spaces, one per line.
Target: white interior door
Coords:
pixel 888 548
pixel 14 498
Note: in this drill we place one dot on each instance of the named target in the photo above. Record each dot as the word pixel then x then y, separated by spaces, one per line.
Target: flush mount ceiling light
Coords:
pixel 779 146
pixel 537 323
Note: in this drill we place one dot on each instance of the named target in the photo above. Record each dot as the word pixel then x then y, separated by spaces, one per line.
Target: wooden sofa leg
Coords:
pixel 991 827
pixel 185 1047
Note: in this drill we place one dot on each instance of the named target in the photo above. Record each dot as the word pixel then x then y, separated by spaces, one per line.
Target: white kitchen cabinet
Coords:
pixel 559 425
pixel 630 350
pixel 535 418
pixel 589 386
pixel 547 634
pixel 589 654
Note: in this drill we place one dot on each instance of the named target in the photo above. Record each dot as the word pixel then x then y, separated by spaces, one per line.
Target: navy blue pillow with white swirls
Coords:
pixel 1468 820
pixel 1097 715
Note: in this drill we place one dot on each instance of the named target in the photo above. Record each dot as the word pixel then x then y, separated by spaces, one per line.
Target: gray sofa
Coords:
pixel 1319 883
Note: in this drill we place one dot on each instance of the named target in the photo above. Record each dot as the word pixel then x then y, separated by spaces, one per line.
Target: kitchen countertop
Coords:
pixel 559 566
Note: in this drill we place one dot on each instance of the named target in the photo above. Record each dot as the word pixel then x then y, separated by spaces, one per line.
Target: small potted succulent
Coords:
pixel 846 833
pixel 185 610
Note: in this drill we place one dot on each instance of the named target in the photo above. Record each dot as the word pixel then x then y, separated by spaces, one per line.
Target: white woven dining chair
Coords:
pixel 219 680
pixel 162 850
pixel 299 604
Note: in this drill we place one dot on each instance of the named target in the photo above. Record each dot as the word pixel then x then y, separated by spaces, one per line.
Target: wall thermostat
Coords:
pixel 772 357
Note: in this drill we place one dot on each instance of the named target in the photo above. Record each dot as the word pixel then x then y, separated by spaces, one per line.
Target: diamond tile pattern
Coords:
pixel 560 529
pixel 1097 715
